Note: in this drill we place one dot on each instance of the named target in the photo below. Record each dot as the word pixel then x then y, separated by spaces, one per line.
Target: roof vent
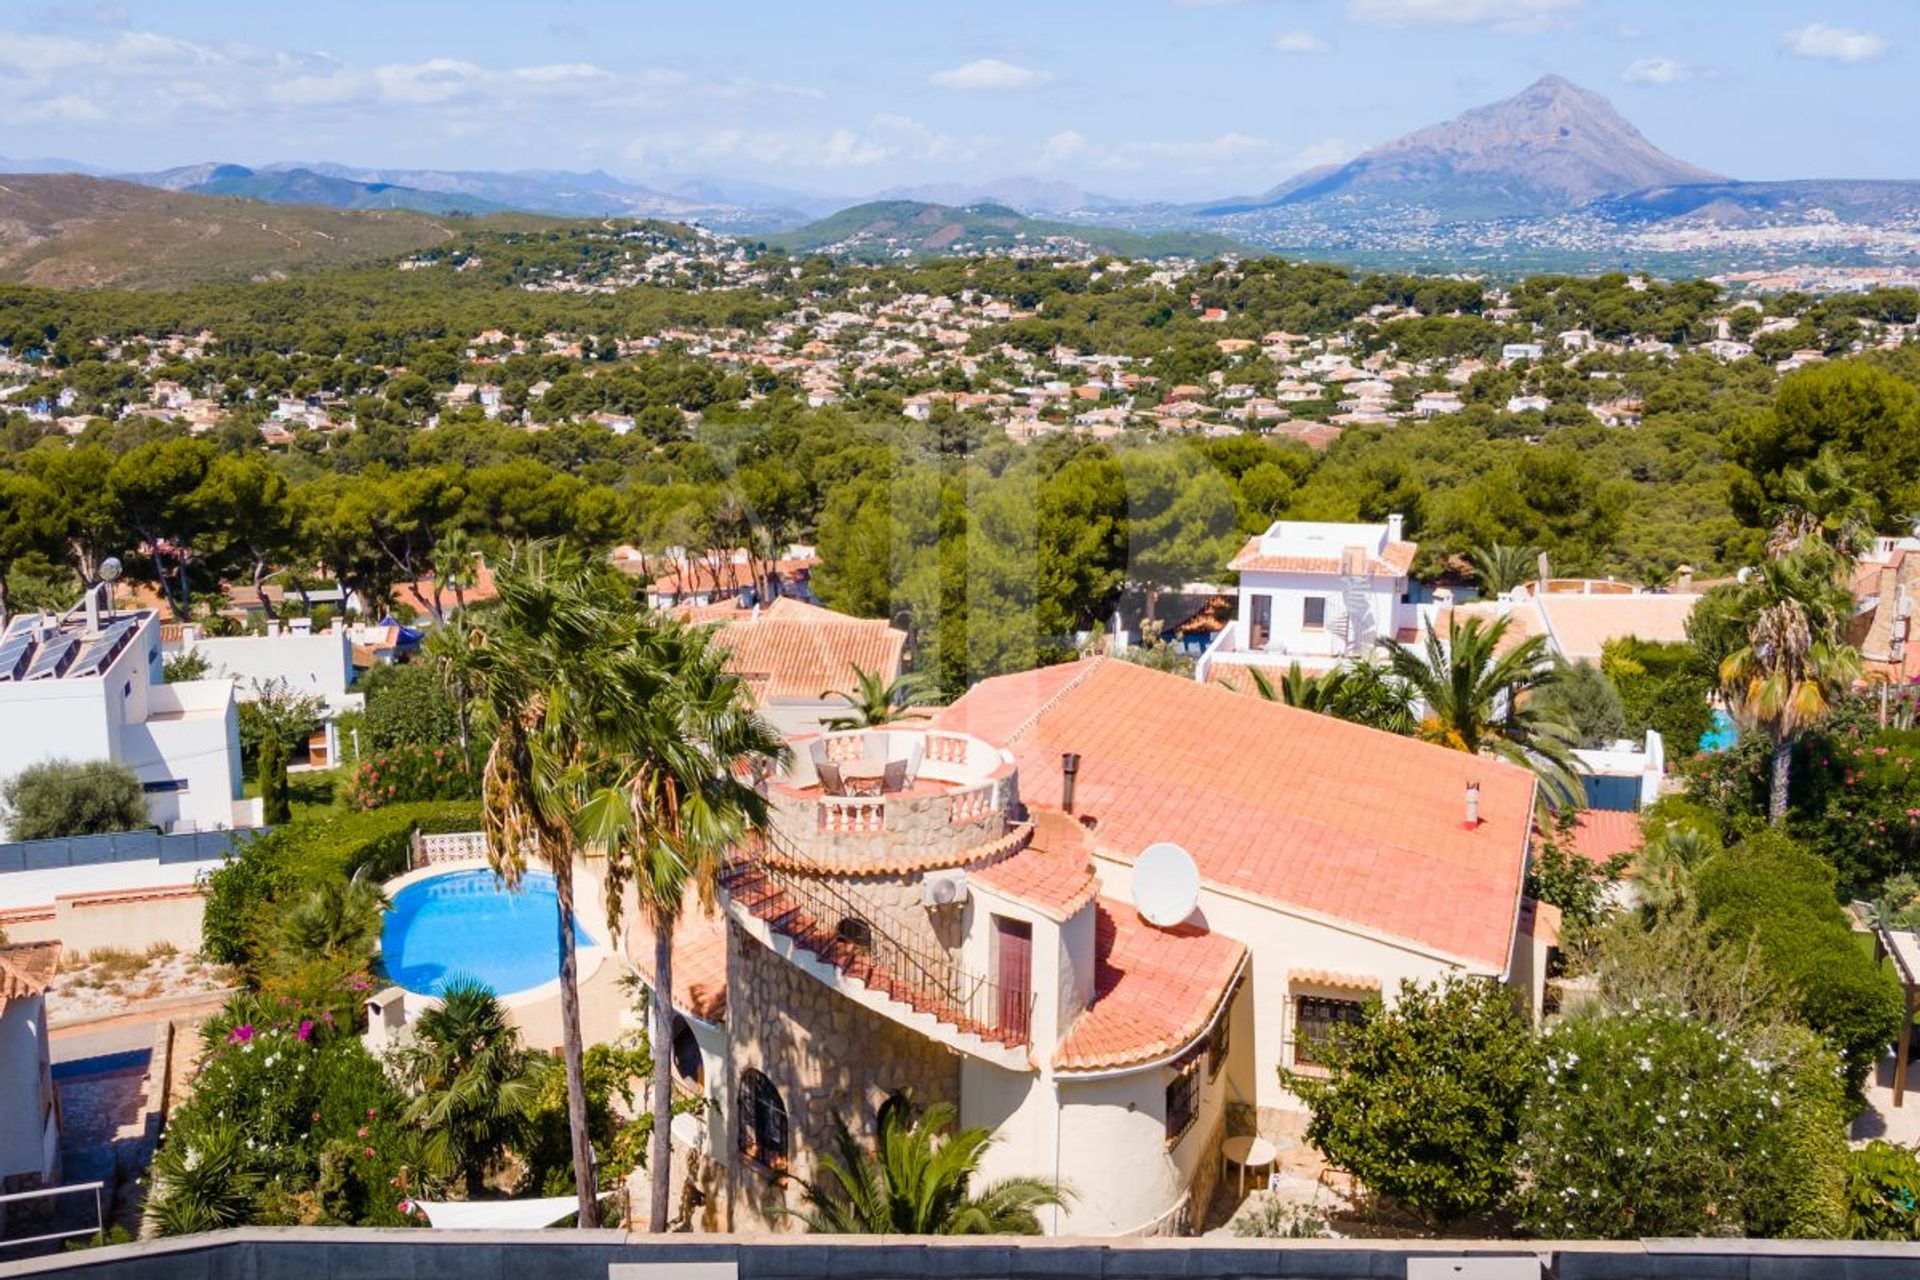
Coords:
pixel 1069 771
pixel 1473 805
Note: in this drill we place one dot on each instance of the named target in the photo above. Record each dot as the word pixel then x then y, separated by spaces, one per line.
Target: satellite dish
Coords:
pixel 110 569
pixel 1166 884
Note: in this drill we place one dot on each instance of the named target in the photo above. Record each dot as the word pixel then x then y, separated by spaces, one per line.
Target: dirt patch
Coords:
pixel 112 982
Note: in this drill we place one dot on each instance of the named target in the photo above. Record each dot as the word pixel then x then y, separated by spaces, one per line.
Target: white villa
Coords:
pixel 293 655
pixel 87 685
pixel 1316 593
pixel 947 905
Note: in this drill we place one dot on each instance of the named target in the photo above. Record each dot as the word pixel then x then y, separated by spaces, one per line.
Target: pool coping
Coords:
pixel 587 959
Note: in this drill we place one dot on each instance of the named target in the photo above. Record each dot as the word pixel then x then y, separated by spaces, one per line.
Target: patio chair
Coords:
pixel 831 783
pixel 894 776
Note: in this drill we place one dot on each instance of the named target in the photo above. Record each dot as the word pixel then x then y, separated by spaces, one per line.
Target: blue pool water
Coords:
pixel 1721 737
pixel 467 924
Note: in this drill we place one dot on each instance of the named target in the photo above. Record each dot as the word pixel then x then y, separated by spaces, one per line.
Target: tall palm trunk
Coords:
pixel 1779 774
pixel 575 1051
pixel 660 1141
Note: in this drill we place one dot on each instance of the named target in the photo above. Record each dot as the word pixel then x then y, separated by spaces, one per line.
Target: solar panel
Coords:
pixel 14 651
pixel 53 657
pixel 101 650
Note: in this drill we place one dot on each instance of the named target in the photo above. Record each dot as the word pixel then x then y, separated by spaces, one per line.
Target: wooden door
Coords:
pixel 1013 975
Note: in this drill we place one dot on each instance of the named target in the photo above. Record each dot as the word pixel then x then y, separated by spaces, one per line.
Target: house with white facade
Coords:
pixel 949 906
pixel 29 1109
pixel 1316 593
pixel 293 657
pixel 88 685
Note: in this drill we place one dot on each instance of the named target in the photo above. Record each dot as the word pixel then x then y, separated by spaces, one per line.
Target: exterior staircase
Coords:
pixel 807 911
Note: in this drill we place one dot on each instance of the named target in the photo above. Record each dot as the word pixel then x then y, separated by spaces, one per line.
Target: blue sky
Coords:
pixel 1177 98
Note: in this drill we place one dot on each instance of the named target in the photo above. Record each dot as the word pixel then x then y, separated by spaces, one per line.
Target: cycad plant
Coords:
pixel 472 1082
pixel 917 1179
pixel 1475 698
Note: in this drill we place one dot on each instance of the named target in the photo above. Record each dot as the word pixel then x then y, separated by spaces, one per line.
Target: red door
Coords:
pixel 1013 976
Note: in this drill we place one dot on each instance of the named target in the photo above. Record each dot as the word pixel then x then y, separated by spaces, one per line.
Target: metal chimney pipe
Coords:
pixel 1473 804
pixel 1069 770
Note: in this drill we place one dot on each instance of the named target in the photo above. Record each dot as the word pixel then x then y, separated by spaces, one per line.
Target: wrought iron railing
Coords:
pixel 821 917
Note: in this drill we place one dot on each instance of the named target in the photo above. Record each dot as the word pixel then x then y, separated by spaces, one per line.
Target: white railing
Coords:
pixel 95 1189
pixel 852 815
pixel 448 846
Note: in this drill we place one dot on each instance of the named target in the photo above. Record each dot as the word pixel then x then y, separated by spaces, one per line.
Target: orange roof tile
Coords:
pixel 699 959
pixel 1395 560
pixel 26 968
pixel 1274 803
pixel 1330 978
pixel 1602 833
pixel 1154 990
pixel 797 653
pixel 1053 873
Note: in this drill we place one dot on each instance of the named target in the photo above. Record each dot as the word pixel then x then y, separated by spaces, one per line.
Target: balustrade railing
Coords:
pixel 823 918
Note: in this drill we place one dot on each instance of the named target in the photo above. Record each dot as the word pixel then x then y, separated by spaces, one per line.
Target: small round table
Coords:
pixel 1249 1153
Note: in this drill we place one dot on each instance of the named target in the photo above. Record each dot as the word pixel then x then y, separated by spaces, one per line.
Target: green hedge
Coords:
pixel 303 854
pixel 1771 890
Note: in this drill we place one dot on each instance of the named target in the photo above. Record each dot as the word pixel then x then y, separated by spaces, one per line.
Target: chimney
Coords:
pixel 1396 526
pixel 1473 805
pixel 93 609
pixel 1069 770
pixel 1683 579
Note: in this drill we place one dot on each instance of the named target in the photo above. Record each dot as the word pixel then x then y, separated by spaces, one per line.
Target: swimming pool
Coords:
pixel 468 924
pixel 1723 734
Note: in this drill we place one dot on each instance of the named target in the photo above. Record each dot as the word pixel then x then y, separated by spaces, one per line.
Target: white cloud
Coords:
pixel 989 74
pixel 1659 71
pixel 1299 42
pixel 1062 148
pixel 1511 14
pixel 1833 44
pixel 886 139
pixel 1325 152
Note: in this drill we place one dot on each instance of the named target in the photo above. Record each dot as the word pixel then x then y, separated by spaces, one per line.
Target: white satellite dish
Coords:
pixel 1166 884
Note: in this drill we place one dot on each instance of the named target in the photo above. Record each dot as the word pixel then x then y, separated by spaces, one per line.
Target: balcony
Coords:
pixel 894 799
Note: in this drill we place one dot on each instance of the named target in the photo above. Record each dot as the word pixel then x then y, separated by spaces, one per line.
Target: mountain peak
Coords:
pixel 1551 147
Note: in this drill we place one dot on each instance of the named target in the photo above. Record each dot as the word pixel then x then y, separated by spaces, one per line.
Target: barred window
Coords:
pixel 1183 1096
pixel 763 1121
pixel 1220 1039
pixel 1314 1020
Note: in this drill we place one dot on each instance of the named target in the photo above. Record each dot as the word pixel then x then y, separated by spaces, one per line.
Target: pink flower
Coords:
pixel 361 1132
pixel 305 1033
pixel 240 1034
pixel 369 1153
pixel 372 1114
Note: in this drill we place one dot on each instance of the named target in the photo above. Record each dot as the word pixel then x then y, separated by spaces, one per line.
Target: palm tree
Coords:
pixel 873 701
pixel 337 918
pixel 1500 568
pixel 1475 700
pixel 1295 689
pixel 918 1180
pixel 454 555
pixel 548 653
pixel 1359 692
pixel 1782 681
pixel 1822 502
pixel 676 799
pixel 204 1179
pixel 472 1082
pixel 454 650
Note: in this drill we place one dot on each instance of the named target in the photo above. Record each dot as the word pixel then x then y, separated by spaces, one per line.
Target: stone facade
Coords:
pixel 827 1055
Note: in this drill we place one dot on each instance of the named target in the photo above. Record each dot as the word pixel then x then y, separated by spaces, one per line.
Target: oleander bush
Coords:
pixel 412 773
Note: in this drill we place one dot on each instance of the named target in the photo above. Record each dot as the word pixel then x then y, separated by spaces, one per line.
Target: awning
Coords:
pixel 496 1215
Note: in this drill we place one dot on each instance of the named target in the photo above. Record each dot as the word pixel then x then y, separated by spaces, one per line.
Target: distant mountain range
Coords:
pixel 1551 147
pixel 895 228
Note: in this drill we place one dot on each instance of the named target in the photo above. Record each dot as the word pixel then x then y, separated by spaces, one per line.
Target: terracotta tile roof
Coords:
pixel 797 652
pixel 1154 990
pixel 1329 978
pixel 26 968
pixel 1394 560
pixel 730 577
pixel 699 959
pixel 1274 803
pixel 1582 624
pixel 424 591
pixel 1602 833
pixel 1053 873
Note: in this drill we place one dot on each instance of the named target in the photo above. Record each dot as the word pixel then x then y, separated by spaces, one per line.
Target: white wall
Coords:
pixel 1288 593
pixel 25 1088
pixel 320 663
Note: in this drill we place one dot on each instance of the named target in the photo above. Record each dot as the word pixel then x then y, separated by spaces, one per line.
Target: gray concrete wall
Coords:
pixel 309 1253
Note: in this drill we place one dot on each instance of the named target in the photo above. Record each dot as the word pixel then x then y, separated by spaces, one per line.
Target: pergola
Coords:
pixel 1903 945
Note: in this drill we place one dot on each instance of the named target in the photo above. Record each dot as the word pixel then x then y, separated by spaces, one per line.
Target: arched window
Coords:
pixel 763 1121
pixel 687 1062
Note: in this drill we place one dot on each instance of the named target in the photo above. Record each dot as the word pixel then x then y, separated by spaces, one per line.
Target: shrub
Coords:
pixel 241 895
pixel 1652 1122
pixel 72 798
pixel 276 799
pixel 1883 1193
pixel 1770 890
pixel 316 1120
pixel 1663 687
pixel 1862 808
pixel 1422 1101
pixel 408 704
pixel 412 773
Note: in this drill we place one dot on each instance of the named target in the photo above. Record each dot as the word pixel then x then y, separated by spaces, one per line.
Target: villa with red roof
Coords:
pixel 942 906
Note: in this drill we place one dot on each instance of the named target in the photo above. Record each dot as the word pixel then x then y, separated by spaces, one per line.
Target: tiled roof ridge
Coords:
pixel 1092 664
